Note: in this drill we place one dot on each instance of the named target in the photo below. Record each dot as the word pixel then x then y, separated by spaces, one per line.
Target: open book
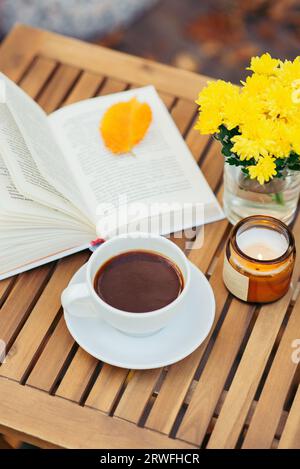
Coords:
pixel 56 175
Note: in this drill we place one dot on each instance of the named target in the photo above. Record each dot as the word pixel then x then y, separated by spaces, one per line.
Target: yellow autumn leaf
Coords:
pixel 125 124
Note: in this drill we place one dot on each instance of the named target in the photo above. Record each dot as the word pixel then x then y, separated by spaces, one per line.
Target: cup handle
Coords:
pixel 76 292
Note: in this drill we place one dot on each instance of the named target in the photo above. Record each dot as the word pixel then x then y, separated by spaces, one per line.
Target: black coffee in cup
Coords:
pixel 139 281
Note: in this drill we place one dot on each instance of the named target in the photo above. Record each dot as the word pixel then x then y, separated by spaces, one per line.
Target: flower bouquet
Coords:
pixel 258 125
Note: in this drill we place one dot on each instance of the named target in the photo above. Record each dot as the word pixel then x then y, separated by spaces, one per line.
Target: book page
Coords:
pixel 32 235
pixel 22 212
pixel 17 157
pixel 161 168
pixel 10 197
pixel 18 259
pixel 37 164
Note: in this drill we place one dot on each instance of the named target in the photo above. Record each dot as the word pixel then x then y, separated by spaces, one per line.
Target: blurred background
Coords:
pixel 215 37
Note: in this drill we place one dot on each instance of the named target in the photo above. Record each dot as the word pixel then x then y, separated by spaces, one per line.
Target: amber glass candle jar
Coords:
pixel 259 259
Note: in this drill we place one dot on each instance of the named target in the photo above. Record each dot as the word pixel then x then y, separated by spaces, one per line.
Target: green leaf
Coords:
pixel 226 151
pixel 293 161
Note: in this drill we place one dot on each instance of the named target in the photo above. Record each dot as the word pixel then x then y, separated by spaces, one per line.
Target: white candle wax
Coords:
pixel 262 243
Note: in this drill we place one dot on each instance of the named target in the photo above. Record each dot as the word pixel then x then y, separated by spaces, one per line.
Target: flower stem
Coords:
pixel 279 198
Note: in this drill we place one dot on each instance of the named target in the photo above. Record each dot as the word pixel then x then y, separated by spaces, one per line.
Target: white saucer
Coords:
pixel 171 344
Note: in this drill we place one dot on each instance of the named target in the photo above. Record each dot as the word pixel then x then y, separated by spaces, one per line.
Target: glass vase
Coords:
pixel 244 196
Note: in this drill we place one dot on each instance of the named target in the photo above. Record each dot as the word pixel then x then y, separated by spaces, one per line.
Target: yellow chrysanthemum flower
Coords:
pixel 289 71
pixel 209 121
pixel 265 111
pixel 259 129
pixel 248 148
pixel 240 108
pixel 264 65
pixel 213 100
pixel 219 90
pixel 264 170
pixel 232 114
pixel 256 85
pixel 281 145
pixel 278 101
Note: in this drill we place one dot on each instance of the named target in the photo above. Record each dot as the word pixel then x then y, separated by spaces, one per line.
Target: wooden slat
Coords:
pixel 52 358
pixel 58 87
pixel 251 367
pixel 167 98
pixel 290 438
pixel 5 443
pixel 78 376
pixel 281 424
pixel 64 424
pixel 212 381
pixel 112 85
pixel 5 285
pixel 202 254
pixel 137 394
pixel 16 54
pixel 183 113
pixel 97 59
pixel 209 240
pixel 213 232
pixel 282 420
pixel 86 87
pixel 213 165
pixel 32 334
pixel 197 143
pixel 264 423
pixel 213 235
pixel 106 388
pixel 20 301
pixel 37 75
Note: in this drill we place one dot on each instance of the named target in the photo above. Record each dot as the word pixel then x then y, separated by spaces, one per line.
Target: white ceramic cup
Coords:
pixel 127 322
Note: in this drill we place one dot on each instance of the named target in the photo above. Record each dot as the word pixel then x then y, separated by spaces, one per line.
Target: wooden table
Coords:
pixel 239 389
